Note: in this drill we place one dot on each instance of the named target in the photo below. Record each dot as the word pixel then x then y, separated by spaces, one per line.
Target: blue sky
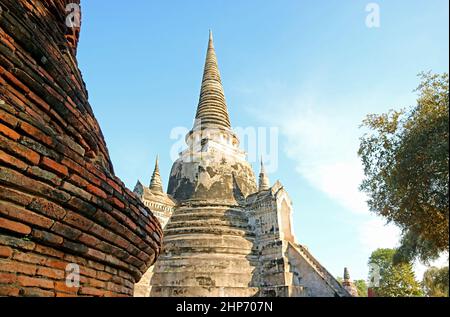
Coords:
pixel 313 69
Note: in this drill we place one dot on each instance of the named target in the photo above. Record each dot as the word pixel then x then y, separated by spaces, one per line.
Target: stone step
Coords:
pixel 173 224
pixel 219 230
pixel 199 291
pixel 203 279
pixel 239 265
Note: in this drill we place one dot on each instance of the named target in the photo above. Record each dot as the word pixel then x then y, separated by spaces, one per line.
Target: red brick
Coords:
pixel 96 191
pixel 88 272
pixel 19 150
pixel 29 258
pixel 9 133
pixel 49 251
pixel 24 215
pixel 50 273
pixel 34 282
pixel 9 291
pixel 35 133
pixel 15 196
pixel 7 118
pixel 78 221
pixel 36 292
pixel 114 185
pixel 38 100
pixel 92 291
pixel 14 266
pixel 7 278
pixel 104 276
pixel 16 179
pixel 96 283
pixel 118 203
pixel 89 240
pixel 47 237
pixel 56 264
pixel 47 208
pixel 5 252
pixel 62 287
pixel 14 226
pixel 66 231
pixel 77 180
pixel 44 175
pixel 54 166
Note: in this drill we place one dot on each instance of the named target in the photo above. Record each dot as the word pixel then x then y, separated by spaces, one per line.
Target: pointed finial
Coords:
pixel 263 179
pixel 156 183
pixel 346 274
pixel 212 107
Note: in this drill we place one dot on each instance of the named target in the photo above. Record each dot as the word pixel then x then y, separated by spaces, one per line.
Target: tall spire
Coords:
pixel 155 183
pixel 263 179
pixel 212 108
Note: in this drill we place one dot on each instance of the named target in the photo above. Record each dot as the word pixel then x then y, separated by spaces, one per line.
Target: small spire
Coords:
pixel 155 183
pixel 263 179
pixel 346 274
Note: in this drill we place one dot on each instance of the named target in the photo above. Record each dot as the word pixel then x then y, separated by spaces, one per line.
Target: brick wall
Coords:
pixel 60 202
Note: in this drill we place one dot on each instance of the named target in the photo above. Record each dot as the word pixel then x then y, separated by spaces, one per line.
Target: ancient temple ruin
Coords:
pixel 225 233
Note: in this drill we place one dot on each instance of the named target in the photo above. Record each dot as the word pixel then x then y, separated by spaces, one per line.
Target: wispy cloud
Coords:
pixel 322 136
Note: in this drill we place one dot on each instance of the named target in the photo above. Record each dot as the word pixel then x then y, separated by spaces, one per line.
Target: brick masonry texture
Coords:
pixel 60 201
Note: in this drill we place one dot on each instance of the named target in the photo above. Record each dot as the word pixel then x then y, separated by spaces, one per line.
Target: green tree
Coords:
pixel 395 280
pixel 435 282
pixel 361 286
pixel 405 156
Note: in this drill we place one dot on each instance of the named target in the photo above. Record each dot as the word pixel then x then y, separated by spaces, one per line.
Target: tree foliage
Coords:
pixel 361 286
pixel 435 282
pixel 395 280
pixel 405 156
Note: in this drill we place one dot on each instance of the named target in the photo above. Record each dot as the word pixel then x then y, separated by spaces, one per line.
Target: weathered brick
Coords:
pixel 14 178
pixel 29 258
pixel 24 215
pixel 47 237
pixel 14 266
pixel 96 191
pixel 19 150
pixel 44 175
pixel 7 278
pixel 36 292
pixel 89 240
pixel 14 226
pixel 63 287
pixel 49 251
pixel 78 221
pixel 34 282
pixel 36 133
pixel 9 132
pixel 47 208
pixel 15 196
pixel 91 291
pixel 50 273
pixel 81 206
pixel 9 290
pixel 11 160
pixel 76 191
pixel 66 231
pixel 54 166
pixel 5 252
